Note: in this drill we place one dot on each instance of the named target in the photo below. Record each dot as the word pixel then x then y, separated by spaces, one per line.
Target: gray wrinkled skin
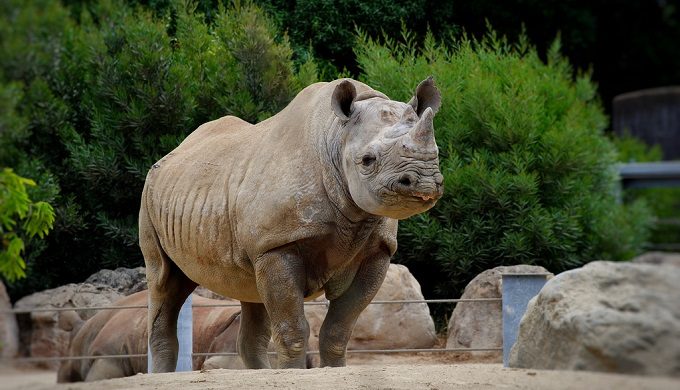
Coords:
pixel 280 212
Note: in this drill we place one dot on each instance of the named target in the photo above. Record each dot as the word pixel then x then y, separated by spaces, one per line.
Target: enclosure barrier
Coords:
pixel 517 305
pixel 650 175
pixel 663 174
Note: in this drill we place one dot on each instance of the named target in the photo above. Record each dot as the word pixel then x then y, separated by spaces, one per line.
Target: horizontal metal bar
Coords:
pixel 64 358
pixel 650 170
pixel 404 301
pixel 402 350
pixel 650 175
pixel 77 308
pixel 544 274
pixel 208 354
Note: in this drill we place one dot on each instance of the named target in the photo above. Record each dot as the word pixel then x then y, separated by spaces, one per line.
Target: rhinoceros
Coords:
pixel 122 332
pixel 273 214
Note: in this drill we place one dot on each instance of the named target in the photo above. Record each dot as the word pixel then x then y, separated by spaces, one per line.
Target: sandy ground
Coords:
pixel 375 376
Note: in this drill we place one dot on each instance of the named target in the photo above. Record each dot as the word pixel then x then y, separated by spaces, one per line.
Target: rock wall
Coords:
pixel 9 330
pixel 47 333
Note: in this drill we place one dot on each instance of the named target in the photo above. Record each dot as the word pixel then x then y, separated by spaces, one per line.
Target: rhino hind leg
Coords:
pixel 168 289
pixel 254 335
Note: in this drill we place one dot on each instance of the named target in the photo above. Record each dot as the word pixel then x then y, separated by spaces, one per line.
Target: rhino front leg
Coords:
pixel 343 311
pixel 254 335
pixel 280 282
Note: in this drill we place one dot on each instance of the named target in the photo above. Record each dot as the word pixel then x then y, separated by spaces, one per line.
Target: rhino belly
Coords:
pixel 213 264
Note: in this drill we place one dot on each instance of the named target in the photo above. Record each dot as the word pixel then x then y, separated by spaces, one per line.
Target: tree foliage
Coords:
pixel 630 45
pixel 529 175
pixel 37 218
pixel 103 93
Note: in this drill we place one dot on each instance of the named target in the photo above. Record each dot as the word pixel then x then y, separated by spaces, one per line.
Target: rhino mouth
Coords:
pixel 395 196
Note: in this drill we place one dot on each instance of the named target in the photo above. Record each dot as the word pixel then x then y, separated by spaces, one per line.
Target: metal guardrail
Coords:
pixel 235 354
pixel 324 303
pixel 650 175
pixel 208 354
pixel 662 174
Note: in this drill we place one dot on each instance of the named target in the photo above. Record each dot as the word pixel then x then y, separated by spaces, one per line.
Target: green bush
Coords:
pixel 102 94
pixel 529 176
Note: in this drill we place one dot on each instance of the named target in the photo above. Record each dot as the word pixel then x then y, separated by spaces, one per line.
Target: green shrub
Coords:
pixel 529 176
pixel 113 91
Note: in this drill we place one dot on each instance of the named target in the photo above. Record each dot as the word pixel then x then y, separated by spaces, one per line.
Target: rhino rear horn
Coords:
pixel 343 99
pixel 427 95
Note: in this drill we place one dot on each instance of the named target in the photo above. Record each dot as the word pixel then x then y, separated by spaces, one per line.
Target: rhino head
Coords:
pixel 389 154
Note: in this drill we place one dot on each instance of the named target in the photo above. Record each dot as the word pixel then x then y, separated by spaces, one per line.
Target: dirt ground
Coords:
pixel 392 373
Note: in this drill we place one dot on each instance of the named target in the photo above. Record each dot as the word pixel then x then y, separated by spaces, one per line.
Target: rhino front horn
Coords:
pixel 422 133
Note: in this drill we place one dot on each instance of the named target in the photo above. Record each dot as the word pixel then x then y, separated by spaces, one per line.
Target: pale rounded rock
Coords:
pixel 605 316
pixel 479 324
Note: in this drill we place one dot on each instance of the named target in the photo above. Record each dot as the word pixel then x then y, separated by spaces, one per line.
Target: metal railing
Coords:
pixel 514 301
pixel 650 174
pixel 662 174
pixel 316 303
pixel 229 304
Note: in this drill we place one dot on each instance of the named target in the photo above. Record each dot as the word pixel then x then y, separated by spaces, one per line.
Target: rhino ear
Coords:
pixel 343 99
pixel 427 95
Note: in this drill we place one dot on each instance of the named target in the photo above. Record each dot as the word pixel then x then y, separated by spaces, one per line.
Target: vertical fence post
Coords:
pixel 518 289
pixel 184 337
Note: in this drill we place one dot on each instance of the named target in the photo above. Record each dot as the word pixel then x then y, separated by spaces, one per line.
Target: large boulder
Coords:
pixel 479 324
pixel 125 281
pixel 385 326
pixel 47 333
pixel 605 316
pixel 9 330
pixel 661 258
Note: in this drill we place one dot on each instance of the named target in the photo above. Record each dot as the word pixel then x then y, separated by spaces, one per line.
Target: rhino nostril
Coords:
pixel 405 181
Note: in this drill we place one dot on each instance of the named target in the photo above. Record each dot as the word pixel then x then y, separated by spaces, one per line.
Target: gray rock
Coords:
pixel 126 281
pixel 605 316
pixel 9 330
pixel 665 258
pixel 479 324
pixel 47 333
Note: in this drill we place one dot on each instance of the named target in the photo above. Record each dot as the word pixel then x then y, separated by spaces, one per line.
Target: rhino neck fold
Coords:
pixel 330 147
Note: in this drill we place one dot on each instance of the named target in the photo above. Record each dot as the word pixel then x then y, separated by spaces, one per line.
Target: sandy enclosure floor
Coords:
pixel 391 376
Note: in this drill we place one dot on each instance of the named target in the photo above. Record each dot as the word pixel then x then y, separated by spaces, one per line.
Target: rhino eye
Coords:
pixel 367 160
